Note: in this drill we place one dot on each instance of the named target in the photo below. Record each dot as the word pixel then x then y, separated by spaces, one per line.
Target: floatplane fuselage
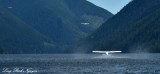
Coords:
pixel 106 52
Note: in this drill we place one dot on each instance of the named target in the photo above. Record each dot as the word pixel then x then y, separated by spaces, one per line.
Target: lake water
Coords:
pixel 80 64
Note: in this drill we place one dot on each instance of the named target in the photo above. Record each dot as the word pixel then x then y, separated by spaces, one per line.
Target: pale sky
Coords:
pixel 113 6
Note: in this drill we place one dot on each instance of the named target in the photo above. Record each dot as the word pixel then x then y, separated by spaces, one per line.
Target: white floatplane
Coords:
pixel 106 52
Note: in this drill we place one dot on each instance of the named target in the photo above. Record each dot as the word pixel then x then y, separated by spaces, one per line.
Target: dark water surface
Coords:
pixel 80 64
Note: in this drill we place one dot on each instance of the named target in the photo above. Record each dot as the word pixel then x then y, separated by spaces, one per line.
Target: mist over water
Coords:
pixel 82 63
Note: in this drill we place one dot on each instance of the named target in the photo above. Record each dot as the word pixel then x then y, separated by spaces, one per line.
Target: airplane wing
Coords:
pixel 114 51
pixel 99 51
pixel 106 52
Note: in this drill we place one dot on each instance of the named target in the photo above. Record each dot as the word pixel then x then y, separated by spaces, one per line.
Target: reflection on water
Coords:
pixel 80 64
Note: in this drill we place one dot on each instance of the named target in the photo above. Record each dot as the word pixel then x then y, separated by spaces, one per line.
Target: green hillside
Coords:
pixel 134 29
pixel 17 37
pixel 59 20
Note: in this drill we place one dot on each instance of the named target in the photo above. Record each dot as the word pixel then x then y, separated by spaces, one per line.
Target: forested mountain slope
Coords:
pixel 61 21
pixel 135 28
pixel 17 37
